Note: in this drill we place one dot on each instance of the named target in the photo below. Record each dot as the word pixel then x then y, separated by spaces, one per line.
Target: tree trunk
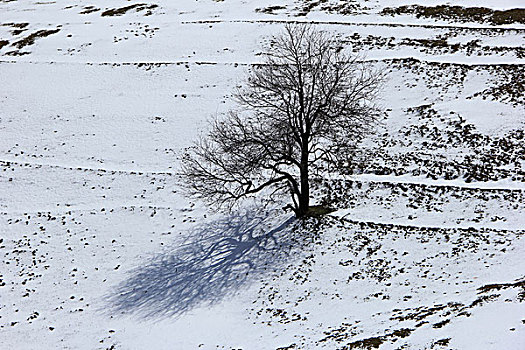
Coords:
pixel 304 196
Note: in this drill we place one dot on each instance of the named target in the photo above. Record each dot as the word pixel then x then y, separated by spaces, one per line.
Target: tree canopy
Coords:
pixel 300 113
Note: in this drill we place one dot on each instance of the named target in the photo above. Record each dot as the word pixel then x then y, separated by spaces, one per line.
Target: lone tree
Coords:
pixel 300 114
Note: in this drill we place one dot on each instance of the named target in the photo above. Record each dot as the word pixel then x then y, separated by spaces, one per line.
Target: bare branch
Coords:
pixel 305 109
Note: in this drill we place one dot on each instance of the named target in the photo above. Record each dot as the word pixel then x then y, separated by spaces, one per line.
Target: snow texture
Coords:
pixel 100 249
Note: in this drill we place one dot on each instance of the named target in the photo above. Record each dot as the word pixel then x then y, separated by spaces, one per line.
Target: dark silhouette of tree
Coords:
pixel 301 114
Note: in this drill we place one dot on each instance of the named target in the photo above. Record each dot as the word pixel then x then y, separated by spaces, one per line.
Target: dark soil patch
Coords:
pixel 3 43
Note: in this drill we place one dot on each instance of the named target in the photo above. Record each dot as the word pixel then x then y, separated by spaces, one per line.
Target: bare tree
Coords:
pixel 301 113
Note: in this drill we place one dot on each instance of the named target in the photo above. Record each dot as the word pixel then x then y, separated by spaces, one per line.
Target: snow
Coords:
pixel 100 248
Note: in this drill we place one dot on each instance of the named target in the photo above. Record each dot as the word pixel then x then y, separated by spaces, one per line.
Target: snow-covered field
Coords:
pixel 100 249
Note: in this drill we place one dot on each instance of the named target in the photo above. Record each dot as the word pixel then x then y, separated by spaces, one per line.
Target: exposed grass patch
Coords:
pixel 289 347
pixel 484 299
pixel 488 158
pixel 499 286
pixel 420 313
pixel 375 342
pixel 18 31
pixel 440 324
pixel 442 342
pixel 89 9
pixel 122 10
pixel 369 343
pixel 509 16
pixel 17 53
pixel 508 87
pixel 19 27
pixel 342 7
pixel 439 45
pixel 31 38
pixel 270 9
pixel 460 13
pixel 402 333
pixel 15 25
pixel 310 5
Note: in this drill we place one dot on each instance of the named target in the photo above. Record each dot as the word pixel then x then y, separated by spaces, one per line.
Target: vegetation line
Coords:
pixel 470 228
pixel 244 64
pixel 433 183
pixel 5 162
pixel 363 24
pixel 68 208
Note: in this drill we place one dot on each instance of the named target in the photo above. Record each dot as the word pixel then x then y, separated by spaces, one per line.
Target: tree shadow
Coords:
pixel 218 259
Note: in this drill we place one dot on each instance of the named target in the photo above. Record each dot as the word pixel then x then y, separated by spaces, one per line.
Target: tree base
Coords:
pixel 318 211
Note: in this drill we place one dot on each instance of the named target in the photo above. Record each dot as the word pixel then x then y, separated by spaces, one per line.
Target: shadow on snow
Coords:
pixel 222 256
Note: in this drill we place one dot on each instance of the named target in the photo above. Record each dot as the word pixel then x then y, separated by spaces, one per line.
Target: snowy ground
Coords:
pixel 99 248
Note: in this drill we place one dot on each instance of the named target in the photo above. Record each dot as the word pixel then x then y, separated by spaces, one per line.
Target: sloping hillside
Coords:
pixel 100 249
